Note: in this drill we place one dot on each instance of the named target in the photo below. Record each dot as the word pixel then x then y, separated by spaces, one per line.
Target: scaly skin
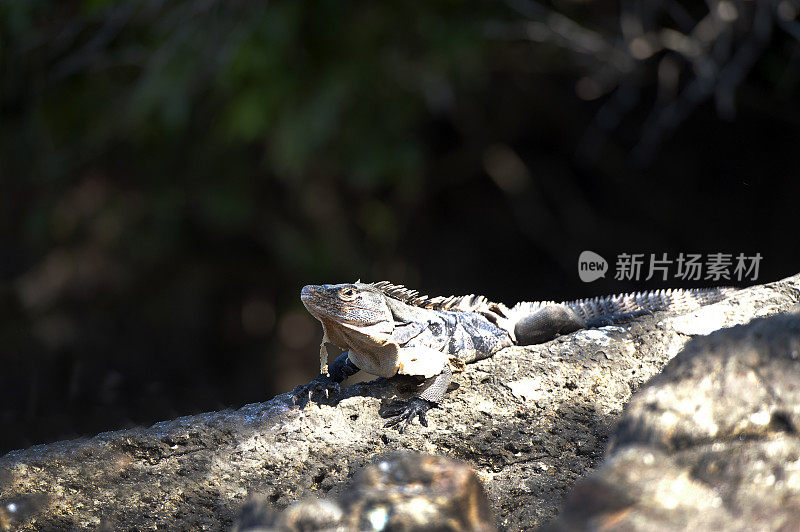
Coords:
pixel 386 329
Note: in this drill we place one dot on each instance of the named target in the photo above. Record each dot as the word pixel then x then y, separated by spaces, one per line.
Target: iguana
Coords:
pixel 386 329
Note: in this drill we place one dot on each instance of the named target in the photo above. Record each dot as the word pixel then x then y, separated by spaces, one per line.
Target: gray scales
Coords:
pixel 386 330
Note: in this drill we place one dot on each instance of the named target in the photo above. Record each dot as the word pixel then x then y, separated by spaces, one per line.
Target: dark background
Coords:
pixel 173 173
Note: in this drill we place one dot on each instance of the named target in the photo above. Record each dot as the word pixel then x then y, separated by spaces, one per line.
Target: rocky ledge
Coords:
pixel 711 440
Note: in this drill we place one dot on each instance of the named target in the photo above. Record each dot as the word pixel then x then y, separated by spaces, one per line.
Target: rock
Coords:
pixel 528 443
pixel 713 442
pixel 400 492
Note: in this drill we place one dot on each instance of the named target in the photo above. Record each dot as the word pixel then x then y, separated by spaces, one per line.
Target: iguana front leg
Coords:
pixel 432 394
pixel 341 368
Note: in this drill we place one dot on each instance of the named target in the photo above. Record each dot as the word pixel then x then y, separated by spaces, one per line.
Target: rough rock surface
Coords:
pixel 404 491
pixel 531 421
pixel 711 443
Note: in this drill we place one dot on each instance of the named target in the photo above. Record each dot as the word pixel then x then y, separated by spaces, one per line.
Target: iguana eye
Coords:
pixel 348 293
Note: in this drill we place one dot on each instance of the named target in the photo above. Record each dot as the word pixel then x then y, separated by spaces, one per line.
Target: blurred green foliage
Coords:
pixel 323 87
pixel 212 113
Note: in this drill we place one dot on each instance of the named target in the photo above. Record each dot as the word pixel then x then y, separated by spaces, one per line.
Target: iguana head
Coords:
pixel 357 318
pixel 353 304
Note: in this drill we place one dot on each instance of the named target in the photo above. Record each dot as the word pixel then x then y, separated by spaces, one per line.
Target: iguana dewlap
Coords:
pixel 387 329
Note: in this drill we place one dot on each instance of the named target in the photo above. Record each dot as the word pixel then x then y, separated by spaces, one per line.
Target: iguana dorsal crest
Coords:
pixel 468 303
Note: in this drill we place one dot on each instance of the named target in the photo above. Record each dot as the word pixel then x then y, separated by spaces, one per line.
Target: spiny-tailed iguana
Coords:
pixel 387 329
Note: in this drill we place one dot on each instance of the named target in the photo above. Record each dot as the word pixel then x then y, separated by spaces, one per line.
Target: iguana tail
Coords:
pixel 678 300
pixel 540 321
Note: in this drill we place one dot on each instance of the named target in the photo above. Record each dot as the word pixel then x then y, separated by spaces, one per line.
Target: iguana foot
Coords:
pixel 405 411
pixel 323 383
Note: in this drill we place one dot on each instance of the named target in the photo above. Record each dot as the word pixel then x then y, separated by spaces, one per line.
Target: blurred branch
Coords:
pixel 549 26
pixel 718 76
pixel 696 59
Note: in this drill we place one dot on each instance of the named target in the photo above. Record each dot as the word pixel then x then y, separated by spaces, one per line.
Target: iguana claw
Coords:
pixel 323 383
pixel 405 411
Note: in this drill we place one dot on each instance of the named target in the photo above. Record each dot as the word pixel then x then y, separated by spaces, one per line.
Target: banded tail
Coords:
pixel 541 321
pixel 679 300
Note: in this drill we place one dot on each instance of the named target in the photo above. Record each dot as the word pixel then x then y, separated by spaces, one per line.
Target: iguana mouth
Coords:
pixel 307 293
pixel 310 296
